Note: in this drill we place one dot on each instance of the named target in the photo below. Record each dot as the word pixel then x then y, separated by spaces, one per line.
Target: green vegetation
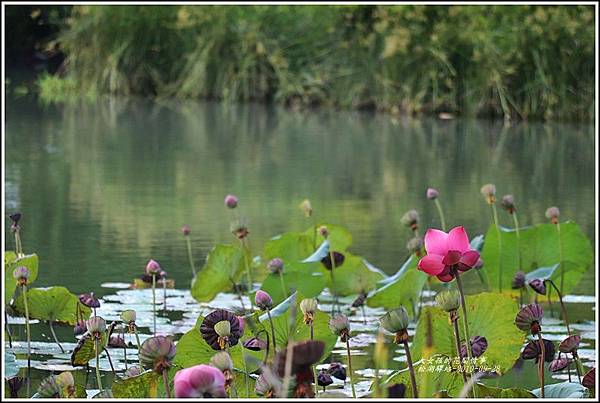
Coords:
pixel 517 62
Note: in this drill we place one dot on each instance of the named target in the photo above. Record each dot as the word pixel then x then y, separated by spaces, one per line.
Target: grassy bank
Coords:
pixel 521 62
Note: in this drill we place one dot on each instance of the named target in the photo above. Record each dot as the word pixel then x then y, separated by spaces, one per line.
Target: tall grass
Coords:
pixel 514 62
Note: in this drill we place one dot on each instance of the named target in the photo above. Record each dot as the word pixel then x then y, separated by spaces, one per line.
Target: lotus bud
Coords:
pixel 323 231
pixel 415 246
pixel 478 346
pixel 239 228
pixel 323 378
pixel 411 219
pixel 340 326
pixel 552 213
pixel 157 353
pixel 231 201
pixel 49 388
pixel 396 321
pixel 306 207
pixel 529 317
pixel 222 361
pixel 337 370
pixel 569 344
pixel 152 268
pixel 508 203
pixel 275 265
pixel 96 325
pixel 489 192
pixel 263 300
pixel 186 230
pixel 448 301
pixel 308 307
pixel 200 381
pixel 255 344
pixel 66 383
pixel 21 274
pixel 89 300
pixel 538 285
pixel 558 364
pixel 518 280
pixel 432 193
pixel 589 379
pixel 223 328
pixel 132 371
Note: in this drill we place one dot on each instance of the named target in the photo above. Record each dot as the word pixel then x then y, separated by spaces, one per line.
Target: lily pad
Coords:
pixel 141 386
pixel 403 288
pixel 55 304
pixel 539 247
pixel 484 391
pixel 10 263
pixel 491 315
pixel 224 266
pixel 563 390
pixel 85 349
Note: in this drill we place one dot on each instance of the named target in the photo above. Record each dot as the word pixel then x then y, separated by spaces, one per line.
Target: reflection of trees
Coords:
pixel 125 177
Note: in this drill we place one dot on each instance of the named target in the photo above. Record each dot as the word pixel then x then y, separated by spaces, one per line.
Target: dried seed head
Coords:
pixel 508 203
pixel 263 300
pixel 538 285
pixel 128 316
pixel 518 280
pixel 529 317
pixel 21 274
pixel 239 228
pixel 552 213
pixel 222 361
pixel 340 326
pixel 308 307
pixel 448 300
pixel 432 193
pixel 558 364
pixel 569 344
pixel 231 201
pixel 337 370
pixel 489 192
pixel 96 325
pixel 323 378
pixel 306 207
pixel 395 321
pixel 275 265
pixel 532 351
pixel 410 219
pixel 89 300
pixel 157 353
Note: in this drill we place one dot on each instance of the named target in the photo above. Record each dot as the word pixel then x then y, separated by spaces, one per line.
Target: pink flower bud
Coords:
pixel 152 268
pixel 231 201
pixel 263 300
pixel 432 193
pixel 186 230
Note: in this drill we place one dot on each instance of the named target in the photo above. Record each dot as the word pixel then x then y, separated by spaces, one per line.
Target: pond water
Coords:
pixel 105 187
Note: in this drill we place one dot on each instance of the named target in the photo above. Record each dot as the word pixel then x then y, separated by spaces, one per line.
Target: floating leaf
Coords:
pixel 10 365
pixel 85 349
pixel 403 288
pixel 55 304
pixel 563 390
pixel 141 386
pixel 491 315
pixel 224 266
pixel 10 263
pixel 484 392
pixel 539 247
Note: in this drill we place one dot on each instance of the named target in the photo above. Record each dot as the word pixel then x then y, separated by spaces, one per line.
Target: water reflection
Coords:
pixel 105 187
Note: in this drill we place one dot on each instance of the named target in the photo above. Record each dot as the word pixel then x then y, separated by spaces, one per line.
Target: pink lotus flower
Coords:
pixel 199 381
pixel 447 251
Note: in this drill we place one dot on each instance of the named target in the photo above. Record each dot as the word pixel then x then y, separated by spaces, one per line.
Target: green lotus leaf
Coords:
pixel 484 392
pixel 141 386
pixel 55 304
pixel 224 267
pixel 85 350
pixel 401 289
pixel 339 237
pixel 563 390
pixel 539 247
pixel 491 315
pixel 290 247
pixel 353 276
pixel 306 278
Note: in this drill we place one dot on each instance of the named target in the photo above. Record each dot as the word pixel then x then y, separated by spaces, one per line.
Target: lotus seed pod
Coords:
pixel 152 267
pixel 308 305
pixel 538 285
pixel 410 219
pixel 222 361
pixel 323 231
pixel 478 346
pixel 200 381
pixel 489 192
pixel 157 353
pixel 529 317
pixel 552 213
pixel 263 300
pixel 95 325
pixel 21 274
pixel 275 265
pixel 589 379
pixel 323 378
pixel 558 364
pixel 448 301
pixel 508 203
pixel 532 351
pixel 231 201
pixel 239 228
pixel 128 316
pixel 132 371
pixel 49 388
pixel 223 328
pixel 306 207
pixel 186 230
pixel 518 280
pixel 337 370
pixel 117 341
pixel 432 193
pixel 395 321
pixel 255 344
pixel 569 344
pixel 89 300
pixel 340 326
pixel 415 246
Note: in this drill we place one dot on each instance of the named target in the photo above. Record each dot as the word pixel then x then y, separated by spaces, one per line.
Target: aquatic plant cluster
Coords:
pixel 471 59
pixel 304 294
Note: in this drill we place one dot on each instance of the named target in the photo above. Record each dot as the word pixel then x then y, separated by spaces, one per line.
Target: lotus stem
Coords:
pixel 191 259
pixel 314 369
pixel 272 330
pixel 541 364
pixel 246 251
pixel 560 261
pixel 112 368
pixel 245 374
pixel 239 294
pixel 62 350
pixel 154 302
pixel 98 378
pixel 283 288
pixel 362 308
pixel 137 339
pixel 461 368
pixel 288 369
pixel 166 382
pixel 577 364
pixel 350 367
pixel 124 348
pixel 18 246
pixel 441 213
pixel 333 290
pixel 411 370
pixel 463 306
pixel 28 329
pixel 562 306
pixel 164 279
pixel 497 225
pixel 7 329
